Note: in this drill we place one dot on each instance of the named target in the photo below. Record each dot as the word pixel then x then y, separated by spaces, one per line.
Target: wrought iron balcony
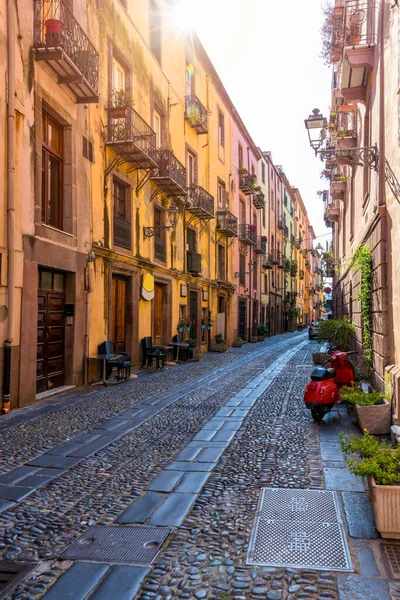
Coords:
pixel 301 274
pixel 61 43
pixel 200 203
pixel 267 261
pixel 247 183
pixel 122 233
pixel 227 223
pixel 193 262
pixel 277 258
pixel 286 231
pixel 360 40
pixel 259 200
pixel 196 114
pixel 281 223
pixel 248 234
pixel 261 246
pixel 286 265
pixel 333 211
pixel 170 174
pixel 346 131
pixel 129 135
pixel 292 238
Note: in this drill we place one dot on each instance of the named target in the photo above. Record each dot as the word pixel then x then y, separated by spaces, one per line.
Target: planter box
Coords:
pixel 261 338
pixel 196 355
pixel 320 357
pixel 377 419
pixel 238 344
pixel 218 347
pixel 385 502
pixel 253 339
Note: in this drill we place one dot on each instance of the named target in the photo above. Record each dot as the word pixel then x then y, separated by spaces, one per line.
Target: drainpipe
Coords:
pixel 6 404
pixel 382 198
pixel 89 260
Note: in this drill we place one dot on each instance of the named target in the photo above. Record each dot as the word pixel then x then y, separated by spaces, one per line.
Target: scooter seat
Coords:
pixel 321 374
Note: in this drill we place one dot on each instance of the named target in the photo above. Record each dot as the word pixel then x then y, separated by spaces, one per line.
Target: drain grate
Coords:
pixel 122 545
pixel 299 529
pixel 391 559
pixel 11 574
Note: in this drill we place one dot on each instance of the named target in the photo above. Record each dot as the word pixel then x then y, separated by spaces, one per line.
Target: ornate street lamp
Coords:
pixel 316 125
pixel 173 213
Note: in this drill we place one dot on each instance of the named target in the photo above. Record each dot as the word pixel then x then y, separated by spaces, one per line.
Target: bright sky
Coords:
pixel 266 53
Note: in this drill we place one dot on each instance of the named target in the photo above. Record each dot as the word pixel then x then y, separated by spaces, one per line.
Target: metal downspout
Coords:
pixel 6 401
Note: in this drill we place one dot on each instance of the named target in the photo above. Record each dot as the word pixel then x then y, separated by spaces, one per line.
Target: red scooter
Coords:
pixel 322 393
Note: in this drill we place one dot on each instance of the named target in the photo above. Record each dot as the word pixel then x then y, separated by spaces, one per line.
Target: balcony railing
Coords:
pixel 128 134
pixel 196 114
pixel 261 246
pixel 346 129
pixel 301 274
pixel 333 211
pixel 292 238
pixel 160 248
pixel 200 202
pixel 286 231
pixel 170 174
pixel 267 261
pixel 259 200
pixel 227 223
pixel 61 42
pixel 248 234
pixel 361 22
pixel 193 261
pixel 277 258
pixel 281 223
pixel 122 232
pixel 247 183
pixel 286 265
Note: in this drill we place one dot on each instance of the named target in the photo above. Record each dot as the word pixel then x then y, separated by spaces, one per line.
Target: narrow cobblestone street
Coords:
pixel 187 451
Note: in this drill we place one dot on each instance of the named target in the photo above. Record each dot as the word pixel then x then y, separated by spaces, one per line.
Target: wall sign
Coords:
pixel 183 290
pixel 147 289
pixel 205 295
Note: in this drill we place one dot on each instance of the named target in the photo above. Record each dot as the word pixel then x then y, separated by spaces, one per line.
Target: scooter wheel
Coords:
pixel 318 413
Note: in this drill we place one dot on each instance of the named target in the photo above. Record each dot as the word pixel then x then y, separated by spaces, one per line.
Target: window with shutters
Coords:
pixel 52 172
pixel 221 129
pixel 155 19
pixel 221 262
pixel 242 269
pixel 122 215
pixel 159 234
pixel 221 195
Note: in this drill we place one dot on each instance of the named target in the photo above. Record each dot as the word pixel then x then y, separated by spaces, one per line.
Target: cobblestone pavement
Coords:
pixel 241 411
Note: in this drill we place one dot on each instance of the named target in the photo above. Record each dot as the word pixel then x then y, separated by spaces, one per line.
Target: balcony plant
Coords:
pixel 353 32
pixel 242 171
pixel 380 463
pixel 238 343
pixel 373 411
pixel 253 228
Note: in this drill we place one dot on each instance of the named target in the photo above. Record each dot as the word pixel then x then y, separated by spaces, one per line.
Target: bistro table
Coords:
pixel 179 345
pixel 104 358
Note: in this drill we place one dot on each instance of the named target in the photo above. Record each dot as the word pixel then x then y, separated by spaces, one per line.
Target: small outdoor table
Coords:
pixel 179 345
pixel 104 358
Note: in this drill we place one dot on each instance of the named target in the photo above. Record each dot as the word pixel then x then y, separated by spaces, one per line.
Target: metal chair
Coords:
pixel 150 352
pixel 121 361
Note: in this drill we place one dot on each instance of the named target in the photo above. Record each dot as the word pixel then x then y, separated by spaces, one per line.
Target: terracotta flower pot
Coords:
pixel 385 502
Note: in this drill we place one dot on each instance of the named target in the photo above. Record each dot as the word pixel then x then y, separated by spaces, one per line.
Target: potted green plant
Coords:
pixel 219 344
pixel 181 324
pixel 196 352
pixel 300 327
pixel 339 333
pixel 373 411
pixel 238 343
pixel 262 332
pixel 380 463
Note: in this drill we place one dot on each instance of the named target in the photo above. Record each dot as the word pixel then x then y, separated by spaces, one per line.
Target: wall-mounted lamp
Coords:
pixel 90 256
pixel 251 263
pixel 173 213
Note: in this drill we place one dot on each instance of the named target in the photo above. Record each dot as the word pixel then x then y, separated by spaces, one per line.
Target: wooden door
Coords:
pixel 50 338
pixel 158 314
pixel 193 314
pixel 242 318
pixel 118 323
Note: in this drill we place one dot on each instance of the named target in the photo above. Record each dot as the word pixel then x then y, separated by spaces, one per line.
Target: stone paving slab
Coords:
pixel 331 451
pixel 120 583
pixel 17 474
pixel 359 515
pixel 203 444
pixel 354 587
pixel 165 481
pixel 342 480
pixel 101 442
pixel 367 562
pixel 210 455
pixel 173 511
pixel 6 505
pixel 37 480
pixel 204 436
pixel 224 436
pixel 68 447
pixel 58 462
pixel 14 493
pixel 77 582
pixel 192 482
pixel 190 466
pixel 142 508
pixel 188 453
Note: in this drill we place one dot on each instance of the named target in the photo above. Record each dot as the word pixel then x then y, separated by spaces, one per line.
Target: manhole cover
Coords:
pixel 119 544
pixel 11 574
pixel 300 529
pixel 391 559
